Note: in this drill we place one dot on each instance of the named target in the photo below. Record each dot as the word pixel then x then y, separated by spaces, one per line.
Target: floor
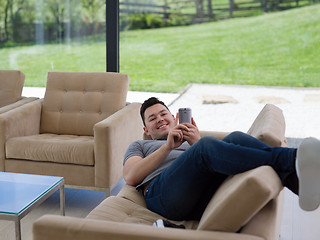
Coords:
pixel 215 107
pixel 296 223
pixel 78 204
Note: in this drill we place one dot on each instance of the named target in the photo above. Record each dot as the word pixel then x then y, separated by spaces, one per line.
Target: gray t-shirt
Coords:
pixel 144 148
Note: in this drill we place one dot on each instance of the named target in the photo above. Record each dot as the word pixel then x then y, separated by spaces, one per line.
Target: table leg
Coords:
pixel 18 229
pixel 62 201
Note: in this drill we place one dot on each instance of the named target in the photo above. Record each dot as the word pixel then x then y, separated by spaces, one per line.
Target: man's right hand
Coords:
pixel 175 138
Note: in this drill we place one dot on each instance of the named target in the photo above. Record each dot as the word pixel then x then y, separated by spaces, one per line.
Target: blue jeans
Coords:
pixel 183 190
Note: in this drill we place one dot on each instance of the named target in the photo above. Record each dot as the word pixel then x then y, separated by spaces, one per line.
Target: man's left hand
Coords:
pixel 190 132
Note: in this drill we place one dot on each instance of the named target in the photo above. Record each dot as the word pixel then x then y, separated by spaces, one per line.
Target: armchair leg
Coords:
pixel 108 192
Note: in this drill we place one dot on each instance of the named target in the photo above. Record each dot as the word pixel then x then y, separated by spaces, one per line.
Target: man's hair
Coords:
pixel 148 103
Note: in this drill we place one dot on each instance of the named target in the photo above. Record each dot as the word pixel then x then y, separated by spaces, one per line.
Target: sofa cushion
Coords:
pixel 120 209
pixel 11 84
pixel 269 126
pixel 75 101
pixel 239 198
pixel 130 193
pixel 52 148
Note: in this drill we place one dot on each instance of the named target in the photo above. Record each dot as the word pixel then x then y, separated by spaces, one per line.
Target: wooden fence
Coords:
pixel 204 10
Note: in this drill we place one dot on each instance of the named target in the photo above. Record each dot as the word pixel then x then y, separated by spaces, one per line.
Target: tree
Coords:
pixel 91 12
pixel 92 8
pixel 8 6
pixel 199 7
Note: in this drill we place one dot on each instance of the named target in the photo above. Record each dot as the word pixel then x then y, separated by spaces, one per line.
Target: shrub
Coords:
pixel 141 21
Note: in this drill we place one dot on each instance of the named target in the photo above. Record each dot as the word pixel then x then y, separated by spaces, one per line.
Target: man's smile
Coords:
pixel 162 126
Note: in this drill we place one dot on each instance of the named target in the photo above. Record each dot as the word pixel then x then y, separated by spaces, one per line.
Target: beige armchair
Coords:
pixel 11 85
pixel 80 130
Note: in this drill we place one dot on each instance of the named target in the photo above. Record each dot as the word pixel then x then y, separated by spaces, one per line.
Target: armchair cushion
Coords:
pixel 73 105
pixel 52 148
pixel 11 84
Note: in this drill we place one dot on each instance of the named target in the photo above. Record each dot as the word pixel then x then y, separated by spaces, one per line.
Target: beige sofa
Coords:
pixel 79 131
pixel 11 85
pixel 247 206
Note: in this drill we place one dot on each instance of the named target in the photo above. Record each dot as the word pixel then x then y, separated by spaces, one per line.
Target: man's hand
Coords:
pixel 175 137
pixel 190 132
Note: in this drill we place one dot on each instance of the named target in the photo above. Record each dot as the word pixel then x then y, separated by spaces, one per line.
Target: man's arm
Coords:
pixel 137 168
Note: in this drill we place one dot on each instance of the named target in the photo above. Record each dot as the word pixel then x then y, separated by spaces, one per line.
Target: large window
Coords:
pixel 162 45
pixel 167 44
pixel 37 36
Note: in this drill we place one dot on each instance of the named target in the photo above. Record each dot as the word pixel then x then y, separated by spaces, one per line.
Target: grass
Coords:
pixel 278 49
pixel 35 61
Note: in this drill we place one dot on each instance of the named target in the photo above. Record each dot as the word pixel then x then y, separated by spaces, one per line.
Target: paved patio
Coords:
pixel 233 107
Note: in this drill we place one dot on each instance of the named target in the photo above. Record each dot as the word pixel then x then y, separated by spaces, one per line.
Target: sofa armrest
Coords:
pixel 52 227
pixel 270 126
pixel 240 198
pixel 270 216
pixel 21 121
pixel 218 135
pixel 112 137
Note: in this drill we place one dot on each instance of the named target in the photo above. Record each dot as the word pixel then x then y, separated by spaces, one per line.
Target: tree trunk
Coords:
pixel 231 8
pixel 199 6
pixel 6 17
pixel 210 12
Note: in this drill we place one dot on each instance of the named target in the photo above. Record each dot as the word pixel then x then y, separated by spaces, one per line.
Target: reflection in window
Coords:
pixel 37 36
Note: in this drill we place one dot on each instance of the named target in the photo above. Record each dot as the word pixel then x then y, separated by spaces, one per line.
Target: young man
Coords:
pixel 178 172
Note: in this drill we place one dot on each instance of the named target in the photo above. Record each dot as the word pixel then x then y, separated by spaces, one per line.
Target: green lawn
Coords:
pixel 280 49
pixel 35 61
pixel 274 49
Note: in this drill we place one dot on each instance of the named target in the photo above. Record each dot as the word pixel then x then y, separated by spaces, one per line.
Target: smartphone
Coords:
pixel 185 115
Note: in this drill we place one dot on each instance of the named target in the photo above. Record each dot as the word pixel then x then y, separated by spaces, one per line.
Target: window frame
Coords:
pixel 112 35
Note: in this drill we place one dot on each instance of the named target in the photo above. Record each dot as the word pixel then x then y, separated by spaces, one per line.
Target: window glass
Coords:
pixel 37 36
pixel 167 44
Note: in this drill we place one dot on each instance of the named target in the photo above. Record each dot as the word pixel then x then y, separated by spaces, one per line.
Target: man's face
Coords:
pixel 159 121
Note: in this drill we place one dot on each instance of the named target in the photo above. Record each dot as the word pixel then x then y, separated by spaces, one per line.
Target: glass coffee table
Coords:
pixel 20 193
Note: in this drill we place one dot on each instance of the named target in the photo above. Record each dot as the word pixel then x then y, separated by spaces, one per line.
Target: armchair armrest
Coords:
pixel 18 103
pixel 51 227
pixel 21 121
pixel 112 137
